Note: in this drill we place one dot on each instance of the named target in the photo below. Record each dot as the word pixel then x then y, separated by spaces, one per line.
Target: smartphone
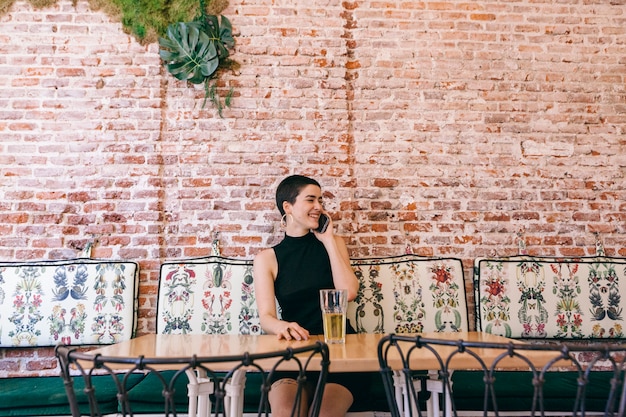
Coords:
pixel 323 224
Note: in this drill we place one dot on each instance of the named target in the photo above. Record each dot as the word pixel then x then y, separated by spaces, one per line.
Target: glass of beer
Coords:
pixel 334 304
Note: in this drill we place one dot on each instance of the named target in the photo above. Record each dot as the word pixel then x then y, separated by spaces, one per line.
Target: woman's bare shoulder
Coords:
pixel 265 265
pixel 265 257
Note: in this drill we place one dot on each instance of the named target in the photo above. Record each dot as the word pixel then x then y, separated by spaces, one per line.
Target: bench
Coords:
pixel 410 294
pixel 215 295
pixel 80 302
pixel 531 298
pixel 547 299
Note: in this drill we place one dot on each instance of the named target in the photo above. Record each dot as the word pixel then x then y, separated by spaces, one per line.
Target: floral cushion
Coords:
pixel 212 295
pixel 409 294
pixel 559 298
pixel 215 295
pixel 75 302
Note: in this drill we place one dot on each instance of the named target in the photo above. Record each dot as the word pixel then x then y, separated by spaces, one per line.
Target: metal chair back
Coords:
pixel 516 377
pixel 117 376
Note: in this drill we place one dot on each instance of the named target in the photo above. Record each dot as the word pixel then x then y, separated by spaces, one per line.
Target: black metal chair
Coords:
pixel 92 382
pixel 492 379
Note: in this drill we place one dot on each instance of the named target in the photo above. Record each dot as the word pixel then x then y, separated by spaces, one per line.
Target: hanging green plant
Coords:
pixel 146 20
pixel 196 51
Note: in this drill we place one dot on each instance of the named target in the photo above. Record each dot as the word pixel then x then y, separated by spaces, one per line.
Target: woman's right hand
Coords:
pixel 292 331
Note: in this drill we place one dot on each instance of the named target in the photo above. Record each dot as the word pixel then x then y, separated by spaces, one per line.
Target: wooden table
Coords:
pixel 358 354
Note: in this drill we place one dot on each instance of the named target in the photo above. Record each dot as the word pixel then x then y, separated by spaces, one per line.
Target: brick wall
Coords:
pixel 442 125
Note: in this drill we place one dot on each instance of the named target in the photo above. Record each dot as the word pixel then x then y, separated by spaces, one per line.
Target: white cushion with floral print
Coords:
pixel 550 297
pixel 409 294
pixel 74 302
pixel 211 295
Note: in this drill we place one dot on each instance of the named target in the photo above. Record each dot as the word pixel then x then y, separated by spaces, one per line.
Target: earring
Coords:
pixel 284 222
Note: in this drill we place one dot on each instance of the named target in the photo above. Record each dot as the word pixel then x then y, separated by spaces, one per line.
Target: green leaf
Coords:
pixel 188 52
pixel 226 33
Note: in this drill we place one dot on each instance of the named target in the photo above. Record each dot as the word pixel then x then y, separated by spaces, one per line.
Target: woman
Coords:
pixel 293 272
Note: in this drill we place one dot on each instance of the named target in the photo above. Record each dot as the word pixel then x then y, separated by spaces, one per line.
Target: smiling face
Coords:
pixel 306 209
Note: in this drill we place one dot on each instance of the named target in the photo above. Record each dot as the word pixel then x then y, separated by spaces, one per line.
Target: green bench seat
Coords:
pixel 145 397
pixel 514 390
pixel 45 396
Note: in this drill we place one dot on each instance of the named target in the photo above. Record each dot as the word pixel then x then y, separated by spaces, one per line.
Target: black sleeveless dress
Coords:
pixel 303 270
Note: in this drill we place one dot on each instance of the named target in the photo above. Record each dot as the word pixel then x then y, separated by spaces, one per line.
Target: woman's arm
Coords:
pixel 265 269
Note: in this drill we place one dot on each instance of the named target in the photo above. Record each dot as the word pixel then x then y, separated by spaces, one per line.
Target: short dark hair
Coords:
pixel 290 187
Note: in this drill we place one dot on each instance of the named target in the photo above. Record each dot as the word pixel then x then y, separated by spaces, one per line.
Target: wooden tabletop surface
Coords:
pixel 358 354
